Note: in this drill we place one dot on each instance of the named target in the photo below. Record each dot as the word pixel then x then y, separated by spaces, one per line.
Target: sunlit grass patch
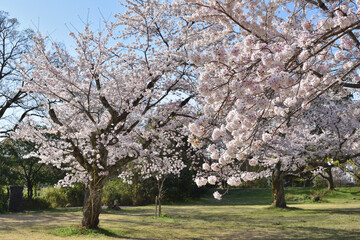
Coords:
pixel 72 231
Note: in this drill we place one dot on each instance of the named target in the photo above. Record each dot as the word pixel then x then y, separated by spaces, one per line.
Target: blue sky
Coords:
pixel 50 16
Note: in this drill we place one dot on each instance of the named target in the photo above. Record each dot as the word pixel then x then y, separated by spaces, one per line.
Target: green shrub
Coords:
pixel 257 183
pixel 139 193
pixel 180 189
pixel 55 197
pixel 112 191
pixel 320 182
pixel 36 204
pixel 296 197
pixel 75 195
pixel 3 200
pixel 64 197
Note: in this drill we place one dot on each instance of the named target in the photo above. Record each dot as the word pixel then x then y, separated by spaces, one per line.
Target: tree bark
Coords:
pixel 159 197
pixel 330 179
pixel 86 194
pixel 278 187
pixel 159 200
pixel 92 207
pixel 30 190
pixel 156 207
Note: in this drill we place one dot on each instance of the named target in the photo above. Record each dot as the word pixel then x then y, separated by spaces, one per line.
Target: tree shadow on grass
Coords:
pixel 355 193
pixel 286 209
pixel 299 233
pixel 57 210
pixel 44 219
pixel 346 190
pixel 111 234
pixel 323 233
pixel 107 233
pixel 344 211
pixel 124 222
pixel 125 210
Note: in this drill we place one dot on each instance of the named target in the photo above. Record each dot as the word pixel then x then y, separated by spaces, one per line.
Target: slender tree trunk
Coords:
pixel 159 197
pixel 159 200
pixel 30 190
pixel 7 193
pixel 92 207
pixel 156 206
pixel 278 187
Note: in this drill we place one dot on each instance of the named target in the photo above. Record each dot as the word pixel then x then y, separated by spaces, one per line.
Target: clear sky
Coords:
pixel 50 16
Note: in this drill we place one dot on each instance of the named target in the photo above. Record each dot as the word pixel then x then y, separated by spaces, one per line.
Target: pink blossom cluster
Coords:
pixel 262 64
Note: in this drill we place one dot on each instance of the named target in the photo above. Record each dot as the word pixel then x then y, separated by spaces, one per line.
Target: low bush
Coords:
pixel 3 200
pixel 181 189
pixel 320 182
pixel 257 183
pixel 139 193
pixel 64 197
pixel 36 204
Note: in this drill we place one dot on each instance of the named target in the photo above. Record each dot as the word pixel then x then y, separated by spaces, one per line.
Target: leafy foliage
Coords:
pixel 64 197
pixel 16 168
pixel 140 192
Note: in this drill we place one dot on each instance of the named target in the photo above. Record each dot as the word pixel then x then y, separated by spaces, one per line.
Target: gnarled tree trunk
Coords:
pixel 92 207
pixel 278 187
pixel 330 179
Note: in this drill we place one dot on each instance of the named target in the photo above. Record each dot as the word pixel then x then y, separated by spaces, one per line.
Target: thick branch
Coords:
pixel 10 102
pixel 54 118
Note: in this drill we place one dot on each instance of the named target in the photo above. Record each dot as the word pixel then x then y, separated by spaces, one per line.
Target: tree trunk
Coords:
pixel 278 187
pixel 159 197
pixel 330 183
pixel 159 201
pixel 92 207
pixel 156 207
pixel 330 179
pixel 29 189
pixel 86 194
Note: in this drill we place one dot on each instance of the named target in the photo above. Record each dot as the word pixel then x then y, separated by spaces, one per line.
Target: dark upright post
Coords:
pixel 16 199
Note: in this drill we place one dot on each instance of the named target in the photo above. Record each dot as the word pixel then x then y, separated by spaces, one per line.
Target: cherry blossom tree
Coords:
pixel 314 141
pixel 115 100
pixel 335 135
pixel 352 167
pixel 170 154
pixel 262 63
pixel 335 173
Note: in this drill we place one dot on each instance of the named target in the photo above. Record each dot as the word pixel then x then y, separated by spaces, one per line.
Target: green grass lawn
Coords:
pixel 242 214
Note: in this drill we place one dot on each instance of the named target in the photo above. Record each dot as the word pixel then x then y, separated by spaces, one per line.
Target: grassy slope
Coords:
pixel 293 196
pixel 242 214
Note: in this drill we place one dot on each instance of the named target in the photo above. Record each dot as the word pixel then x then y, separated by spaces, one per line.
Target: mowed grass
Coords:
pixel 242 214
